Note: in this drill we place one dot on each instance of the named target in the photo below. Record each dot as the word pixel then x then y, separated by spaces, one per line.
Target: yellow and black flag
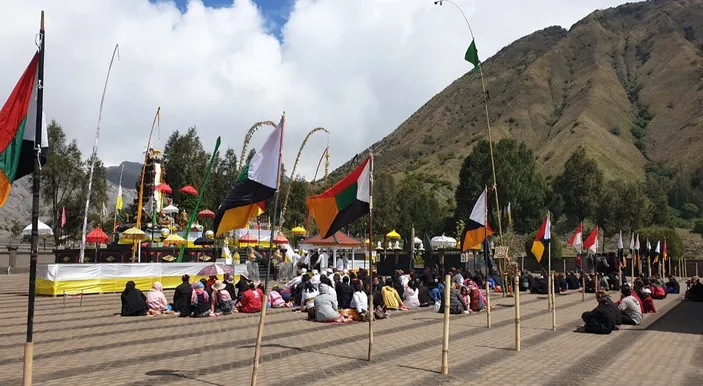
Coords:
pixel 541 242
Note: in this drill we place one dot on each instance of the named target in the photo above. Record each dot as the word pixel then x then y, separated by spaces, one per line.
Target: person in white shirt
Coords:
pixel 340 264
pixel 295 281
pixel 305 259
pixel 629 307
pixel 315 279
pixel 323 260
pixel 359 304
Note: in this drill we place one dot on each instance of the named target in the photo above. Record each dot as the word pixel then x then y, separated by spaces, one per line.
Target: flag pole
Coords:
pixel 36 177
pixel 369 312
pixel 262 315
pixel 197 204
pixel 488 120
pixel 138 224
pixel 550 281
pixel 95 153
pixel 486 258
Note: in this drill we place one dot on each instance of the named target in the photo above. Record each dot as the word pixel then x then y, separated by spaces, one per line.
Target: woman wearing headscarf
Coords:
pixel 200 301
pixel 326 306
pixel 133 301
pixel 156 300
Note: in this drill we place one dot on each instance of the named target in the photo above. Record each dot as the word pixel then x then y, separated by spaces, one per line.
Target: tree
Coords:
pixel 62 176
pixel 418 205
pixel 518 183
pixel 579 186
pixel 222 177
pixel 689 210
pixel 185 162
pixel 656 189
pixel 653 234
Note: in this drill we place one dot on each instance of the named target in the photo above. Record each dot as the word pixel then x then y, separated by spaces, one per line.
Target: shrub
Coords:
pixel 615 131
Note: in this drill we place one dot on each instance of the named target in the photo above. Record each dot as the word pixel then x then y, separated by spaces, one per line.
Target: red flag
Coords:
pixel 63 217
pixel 592 241
pixel 576 240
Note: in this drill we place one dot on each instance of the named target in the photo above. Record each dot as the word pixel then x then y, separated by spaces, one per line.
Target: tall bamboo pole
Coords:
pixel 138 224
pixel 516 291
pixel 262 316
pixel 370 313
pixel 36 178
pixel 94 154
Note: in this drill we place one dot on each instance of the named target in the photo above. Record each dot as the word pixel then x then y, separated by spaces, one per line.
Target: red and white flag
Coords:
pixel 63 217
pixel 577 239
pixel 591 242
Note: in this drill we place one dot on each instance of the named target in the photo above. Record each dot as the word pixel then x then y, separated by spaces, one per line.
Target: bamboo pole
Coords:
pixel 488 305
pixel 583 286
pixel 564 267
pixel 649 267
pixel 554 307
pixel 260 330
pixel 549 290
pixel 696 269
pixel 370 312
pixel 516 283
pixel 445 334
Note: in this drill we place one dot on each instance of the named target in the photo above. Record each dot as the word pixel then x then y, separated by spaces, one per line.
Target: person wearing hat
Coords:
pixel 603 318
pixel 229 284
pixel 220 300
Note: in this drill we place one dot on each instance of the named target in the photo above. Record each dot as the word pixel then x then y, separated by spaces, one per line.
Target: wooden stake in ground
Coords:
pixel 370 313
pixel 516 283
pixel 445 334
pixel 583 286
pixel 549 291
pixel 488 304
pixel 554 306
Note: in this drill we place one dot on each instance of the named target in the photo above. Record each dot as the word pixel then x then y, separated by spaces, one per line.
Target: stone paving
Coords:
pixel 88 345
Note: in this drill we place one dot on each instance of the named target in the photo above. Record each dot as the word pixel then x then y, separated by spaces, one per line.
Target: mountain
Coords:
pixel 625 83
pixel 19 205
pixel 132 173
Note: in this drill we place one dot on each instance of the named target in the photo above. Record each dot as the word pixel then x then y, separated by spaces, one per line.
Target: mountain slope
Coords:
pixel 132 173
pixel 626 83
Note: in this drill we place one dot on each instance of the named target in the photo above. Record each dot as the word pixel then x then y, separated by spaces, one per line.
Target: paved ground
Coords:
pixel 89 346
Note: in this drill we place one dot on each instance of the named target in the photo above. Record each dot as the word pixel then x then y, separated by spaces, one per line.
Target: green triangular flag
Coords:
pixel 471 55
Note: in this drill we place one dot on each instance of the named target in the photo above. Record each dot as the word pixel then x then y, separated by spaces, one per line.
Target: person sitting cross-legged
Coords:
pixel 629 307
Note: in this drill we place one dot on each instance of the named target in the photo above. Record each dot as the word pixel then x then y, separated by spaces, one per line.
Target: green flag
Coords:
pixel 471 55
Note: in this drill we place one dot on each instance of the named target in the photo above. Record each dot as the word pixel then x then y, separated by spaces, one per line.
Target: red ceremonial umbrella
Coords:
pixel 280 239
pixel 206 213
pixel 97 236
pixel 189 189
pixel 248 239
pixel 163 188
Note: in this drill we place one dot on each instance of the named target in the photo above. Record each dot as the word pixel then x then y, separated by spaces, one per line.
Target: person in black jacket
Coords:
pixel 572 281
pixel 133 301
pixel 344 292
pixel 603 318
pixel 181 296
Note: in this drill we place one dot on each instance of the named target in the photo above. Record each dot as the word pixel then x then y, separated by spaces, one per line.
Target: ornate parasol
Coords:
pixel 206 213
pixel 393 235
pixel 299 231
pixel 163 188
pixel 134 234
pixel 171 209
pixel 248 239
pixel 189 189
pixel 174 239
pixel 97 236
pixel 280 239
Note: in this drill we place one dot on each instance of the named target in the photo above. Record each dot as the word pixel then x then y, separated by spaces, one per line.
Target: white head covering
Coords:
pixel 303 271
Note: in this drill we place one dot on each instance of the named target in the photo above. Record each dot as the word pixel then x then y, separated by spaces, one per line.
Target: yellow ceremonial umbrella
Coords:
pixel 299 231
pixel 134 233
pixel 174 239
pixel 393 235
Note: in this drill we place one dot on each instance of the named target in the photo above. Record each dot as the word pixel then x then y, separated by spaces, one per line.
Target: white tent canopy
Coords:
pixel 44 230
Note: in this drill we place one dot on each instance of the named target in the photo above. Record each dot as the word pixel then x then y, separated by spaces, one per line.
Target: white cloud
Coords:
pixel 357 67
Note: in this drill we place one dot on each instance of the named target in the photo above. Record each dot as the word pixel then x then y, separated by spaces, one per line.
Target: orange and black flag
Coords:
pixel 541 242
pixel 476 229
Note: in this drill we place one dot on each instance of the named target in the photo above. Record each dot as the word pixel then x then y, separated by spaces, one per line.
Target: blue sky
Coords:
pixel 275 11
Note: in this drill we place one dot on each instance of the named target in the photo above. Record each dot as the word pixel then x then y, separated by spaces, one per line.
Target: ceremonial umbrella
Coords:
pixel 206 213
pixel 171 209
pixel 42 229
pixel 280 239
pixel 248 239
pixel 97 236
pixel 299 231
pixel 215 270
pixel 174 239
pixel 393 235
pixel 134 233
pixel 163 188
pixel 189 189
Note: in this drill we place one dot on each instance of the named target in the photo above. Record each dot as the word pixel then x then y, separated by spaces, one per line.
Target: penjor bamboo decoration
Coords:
pixel 140 204
pixel 295 166
pixel 312 186
pixel 247 139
